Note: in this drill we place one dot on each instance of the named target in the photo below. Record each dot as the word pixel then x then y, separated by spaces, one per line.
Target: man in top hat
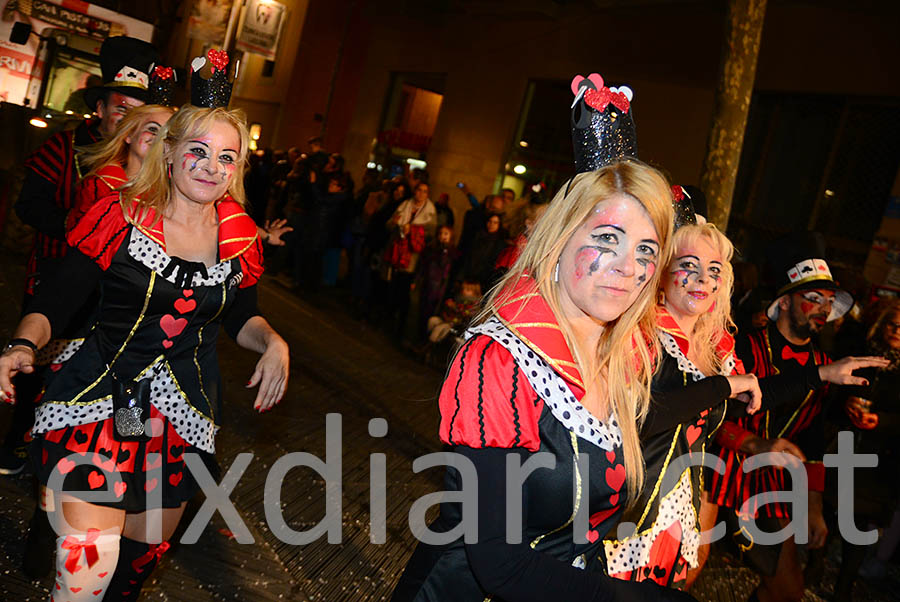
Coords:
pixel 807 298
pixel 48 193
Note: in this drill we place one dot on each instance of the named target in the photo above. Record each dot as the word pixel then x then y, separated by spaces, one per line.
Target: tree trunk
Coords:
pixel 743 29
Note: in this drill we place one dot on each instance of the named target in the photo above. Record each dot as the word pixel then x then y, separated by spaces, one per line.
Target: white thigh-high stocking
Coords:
pixel 85 563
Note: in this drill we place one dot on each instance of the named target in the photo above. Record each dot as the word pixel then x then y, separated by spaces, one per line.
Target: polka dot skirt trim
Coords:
pixel 58 351
pixel 670 345
pixel 165 396
pixel 551 387
pixel 677 506
pixel 148 252
pixel 190 424
pixel 50 415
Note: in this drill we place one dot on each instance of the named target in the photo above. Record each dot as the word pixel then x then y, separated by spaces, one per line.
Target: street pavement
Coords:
pixel 338 366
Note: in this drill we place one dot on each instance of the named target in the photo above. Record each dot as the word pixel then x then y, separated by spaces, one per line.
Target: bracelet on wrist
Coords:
pixel 20 343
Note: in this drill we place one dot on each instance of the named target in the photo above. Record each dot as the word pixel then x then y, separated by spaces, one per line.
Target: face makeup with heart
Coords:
pixel 808 311
pixel 608 260
pixel 203 165
pixel 153 122
pixel 694 277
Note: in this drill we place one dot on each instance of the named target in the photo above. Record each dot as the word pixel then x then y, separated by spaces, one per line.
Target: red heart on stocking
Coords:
pixel 65 466
pixel 592 536
pixel 174 479
pixel 187 292
pixel 167 343
pixel 151 485
pixel 120 488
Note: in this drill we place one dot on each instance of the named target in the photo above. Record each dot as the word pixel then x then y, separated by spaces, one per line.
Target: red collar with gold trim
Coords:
pixel 113 175
pixel 528 315
pixel 237 235
pixel 667 323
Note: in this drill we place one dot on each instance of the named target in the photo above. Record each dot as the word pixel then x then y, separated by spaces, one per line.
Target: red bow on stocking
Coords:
pixel 155 552
pixel 75 547
pixel 801 356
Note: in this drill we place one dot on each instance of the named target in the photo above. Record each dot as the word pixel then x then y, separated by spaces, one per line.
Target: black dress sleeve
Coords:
pixel 516 572
pixel 677 406
pixel 36 206
pixel 788 386
pixel 243 308
pixel 64 291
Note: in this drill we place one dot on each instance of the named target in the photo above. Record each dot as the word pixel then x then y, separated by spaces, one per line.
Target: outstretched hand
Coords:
pixel 275 229
pixel 14 361
pixel 841 371
pixel 271 375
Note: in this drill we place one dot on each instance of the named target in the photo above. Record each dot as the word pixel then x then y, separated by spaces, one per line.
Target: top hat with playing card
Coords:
pixel 797 264
pixel 126 64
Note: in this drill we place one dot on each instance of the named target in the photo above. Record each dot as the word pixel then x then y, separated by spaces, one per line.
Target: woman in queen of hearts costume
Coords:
pixel 560 363
pixel 693 328
pixel 695 387
pixel 174 255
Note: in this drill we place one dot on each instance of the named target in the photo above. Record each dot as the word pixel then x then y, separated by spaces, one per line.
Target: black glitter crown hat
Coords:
pixel 162 86
pixel 683 206
pixel 602 123
pixel 210 84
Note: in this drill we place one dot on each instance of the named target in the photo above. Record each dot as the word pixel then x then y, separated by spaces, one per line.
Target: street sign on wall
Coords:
pixel 260 27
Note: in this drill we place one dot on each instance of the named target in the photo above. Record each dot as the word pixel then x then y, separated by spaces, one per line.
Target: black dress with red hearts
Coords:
pixel 512 395
pixel 665 541
pixel 159 319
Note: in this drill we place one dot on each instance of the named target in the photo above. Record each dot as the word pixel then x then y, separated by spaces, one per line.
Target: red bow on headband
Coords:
pixel 75 547
pixel 801 356
pixel 599 99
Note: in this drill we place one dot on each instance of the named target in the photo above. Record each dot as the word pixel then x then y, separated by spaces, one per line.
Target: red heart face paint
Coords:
pixel 809 311
pixel 608 260
pixel 695 275
pixel 207 163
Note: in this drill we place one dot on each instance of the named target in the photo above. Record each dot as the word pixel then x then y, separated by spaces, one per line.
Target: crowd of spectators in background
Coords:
pixel 410 267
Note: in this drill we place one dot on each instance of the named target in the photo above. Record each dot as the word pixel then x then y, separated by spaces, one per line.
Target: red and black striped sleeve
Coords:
pixel 50 158
pixel 47 170
pixel 486 401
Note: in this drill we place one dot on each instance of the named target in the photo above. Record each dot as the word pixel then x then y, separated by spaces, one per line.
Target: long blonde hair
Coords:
pixel 151 188
pixel 627 346
pixel 712 326
pixel 115 149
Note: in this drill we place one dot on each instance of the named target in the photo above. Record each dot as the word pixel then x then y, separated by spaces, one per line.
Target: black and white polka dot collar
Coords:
pixel 553 389
pixel 670 346
pixel 148 252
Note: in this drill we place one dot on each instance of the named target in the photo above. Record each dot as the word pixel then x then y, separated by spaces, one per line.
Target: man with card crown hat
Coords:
pixel 807 297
